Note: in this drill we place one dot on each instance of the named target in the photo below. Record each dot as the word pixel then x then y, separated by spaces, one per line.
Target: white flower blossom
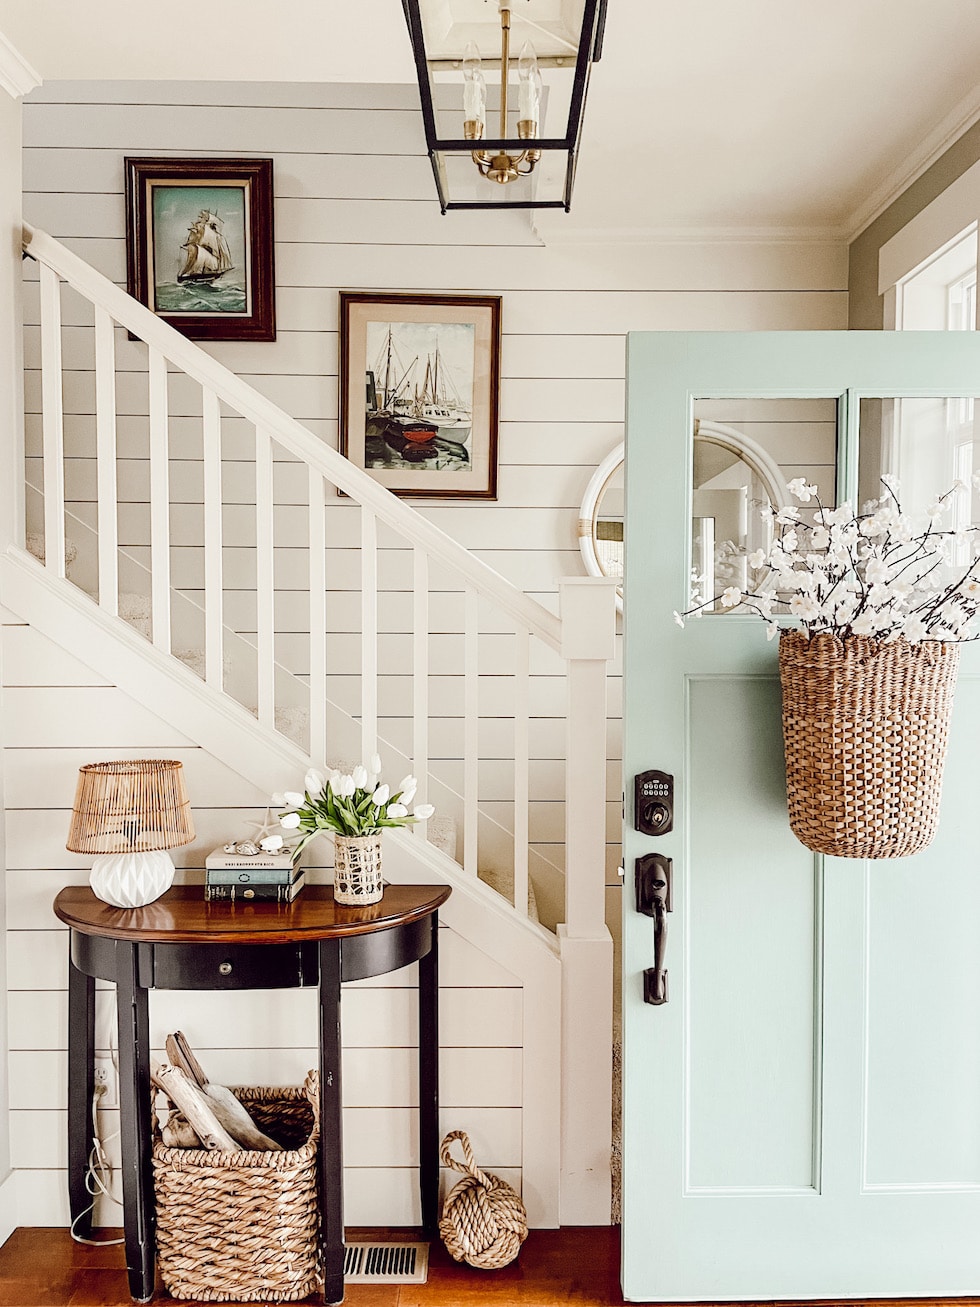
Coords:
pixel 380 796
pixel 731 597
pixel 290 821
pixel 755 560
pixel 294 798
pixel 820 538
pixel 877 570
pixel 788 514
pixel 359 776
pixel 799 489
pixel 271 843
pixel 678 619
pixel 791 541
pixel 772 630
pixel 376 764
pixel 314 782
pixel 865 624
pixel 423 811
pixel 804 606
pixel 397 810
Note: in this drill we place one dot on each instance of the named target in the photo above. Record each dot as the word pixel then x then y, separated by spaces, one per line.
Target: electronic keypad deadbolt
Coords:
pixel 653 802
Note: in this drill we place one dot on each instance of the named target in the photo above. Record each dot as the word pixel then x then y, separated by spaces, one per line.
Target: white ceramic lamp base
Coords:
pixel 131 880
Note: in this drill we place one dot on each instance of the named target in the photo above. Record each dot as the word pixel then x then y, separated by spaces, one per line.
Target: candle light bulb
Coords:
pixel 474 88
pixel 529 88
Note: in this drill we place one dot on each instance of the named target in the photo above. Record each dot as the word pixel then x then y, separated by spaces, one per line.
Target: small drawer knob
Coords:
pixel 224 969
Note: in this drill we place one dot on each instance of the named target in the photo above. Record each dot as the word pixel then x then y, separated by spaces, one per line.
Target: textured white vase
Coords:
pixel 131 880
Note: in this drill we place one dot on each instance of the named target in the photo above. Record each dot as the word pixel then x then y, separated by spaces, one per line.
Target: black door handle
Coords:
pixel 654 875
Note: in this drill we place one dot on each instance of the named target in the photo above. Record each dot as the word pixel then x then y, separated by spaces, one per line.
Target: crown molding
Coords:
pixel 553 233
pixel 17 77
pixel 959 120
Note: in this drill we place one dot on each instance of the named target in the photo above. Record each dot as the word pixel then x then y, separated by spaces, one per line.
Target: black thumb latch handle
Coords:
pixel 653 874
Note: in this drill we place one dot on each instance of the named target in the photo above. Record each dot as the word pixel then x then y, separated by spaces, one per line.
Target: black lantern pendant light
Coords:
pixel 502 130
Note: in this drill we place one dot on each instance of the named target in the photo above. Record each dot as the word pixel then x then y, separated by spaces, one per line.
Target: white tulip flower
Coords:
pixel 423 811
pixel 376 764
pixel 271 843
pixel 290 821
pixel 360 776
pixel 294 798
pixel 380 796
pixel 314 783
pixel 348 785
pixel 397 810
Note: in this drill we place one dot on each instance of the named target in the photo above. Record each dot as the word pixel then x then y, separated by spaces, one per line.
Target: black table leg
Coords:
pixel 81 1088
pixel 331 1124
pixel 429 1083
pixel 134 1122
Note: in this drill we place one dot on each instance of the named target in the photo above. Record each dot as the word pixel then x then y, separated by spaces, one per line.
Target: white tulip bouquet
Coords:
pixel 351 804
pixel 870 573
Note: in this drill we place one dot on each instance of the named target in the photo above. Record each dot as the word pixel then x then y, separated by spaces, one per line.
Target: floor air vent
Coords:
pixel 386 1263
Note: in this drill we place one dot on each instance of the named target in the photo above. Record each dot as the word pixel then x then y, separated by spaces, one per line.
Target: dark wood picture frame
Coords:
pixel 419 391
pixel 176 247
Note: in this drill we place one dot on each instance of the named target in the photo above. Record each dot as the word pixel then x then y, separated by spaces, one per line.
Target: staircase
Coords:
pixel 290 612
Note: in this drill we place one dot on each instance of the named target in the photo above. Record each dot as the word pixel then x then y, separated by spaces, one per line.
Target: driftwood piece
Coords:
pixel 177 1132
pixel 222 1102
pixel 195 1107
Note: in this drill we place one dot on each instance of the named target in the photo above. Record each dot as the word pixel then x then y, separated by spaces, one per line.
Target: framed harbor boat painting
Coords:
pixel 419 387
pixel 199 245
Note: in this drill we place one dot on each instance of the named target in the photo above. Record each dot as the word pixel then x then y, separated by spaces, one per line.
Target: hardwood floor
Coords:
pixel 42 1267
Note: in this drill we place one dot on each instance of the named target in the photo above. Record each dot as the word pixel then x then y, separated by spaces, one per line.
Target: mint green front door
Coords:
pixel 802 1116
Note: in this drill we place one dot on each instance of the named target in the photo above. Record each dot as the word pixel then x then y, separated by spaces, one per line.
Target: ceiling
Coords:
pixel 770 117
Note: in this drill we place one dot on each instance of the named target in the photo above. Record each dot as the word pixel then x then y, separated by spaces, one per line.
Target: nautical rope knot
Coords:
pixel 483 1221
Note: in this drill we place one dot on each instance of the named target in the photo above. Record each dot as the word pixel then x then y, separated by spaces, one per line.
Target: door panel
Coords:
pixel 800 1116
pixel 733 1138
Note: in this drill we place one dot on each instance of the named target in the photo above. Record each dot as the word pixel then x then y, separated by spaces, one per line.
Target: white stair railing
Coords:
pixel 502 655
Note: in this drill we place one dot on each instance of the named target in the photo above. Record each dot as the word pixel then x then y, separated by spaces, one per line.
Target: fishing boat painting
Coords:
pixel 419 384
pixel 419 395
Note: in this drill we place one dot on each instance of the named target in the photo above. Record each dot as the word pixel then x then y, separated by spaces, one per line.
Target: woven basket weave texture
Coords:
pixel 483 1220
pixel 864 729
pixel 244 1226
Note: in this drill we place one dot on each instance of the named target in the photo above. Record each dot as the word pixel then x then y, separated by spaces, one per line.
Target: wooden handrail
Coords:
pixel 292 435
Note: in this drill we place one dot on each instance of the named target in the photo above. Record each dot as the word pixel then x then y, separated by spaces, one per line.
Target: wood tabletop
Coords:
pixel 183 916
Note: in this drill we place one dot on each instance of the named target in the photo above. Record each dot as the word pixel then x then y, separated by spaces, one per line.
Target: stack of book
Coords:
pixel 245 877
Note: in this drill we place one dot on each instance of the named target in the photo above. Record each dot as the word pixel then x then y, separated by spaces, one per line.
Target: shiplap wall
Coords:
pixel 59 715
pixel 355 210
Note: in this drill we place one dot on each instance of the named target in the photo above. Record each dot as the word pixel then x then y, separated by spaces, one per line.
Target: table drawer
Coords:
pixel 231 966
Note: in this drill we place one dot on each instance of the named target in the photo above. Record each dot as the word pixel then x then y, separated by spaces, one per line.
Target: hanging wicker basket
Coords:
pixel 864 730
pixel 483 1220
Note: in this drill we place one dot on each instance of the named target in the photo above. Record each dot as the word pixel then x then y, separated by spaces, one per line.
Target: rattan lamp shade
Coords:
pixel 127 813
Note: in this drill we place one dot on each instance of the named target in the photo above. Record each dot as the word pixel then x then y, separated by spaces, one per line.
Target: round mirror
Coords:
pixel 733 475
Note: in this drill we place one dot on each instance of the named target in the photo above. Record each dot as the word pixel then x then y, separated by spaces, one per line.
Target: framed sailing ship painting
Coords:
pixel 199 245
pixel 419 387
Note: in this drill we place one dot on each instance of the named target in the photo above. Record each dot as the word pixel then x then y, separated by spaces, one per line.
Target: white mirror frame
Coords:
pixel 716 433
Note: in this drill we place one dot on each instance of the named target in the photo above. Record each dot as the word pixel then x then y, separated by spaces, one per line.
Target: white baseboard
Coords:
pixel 8 1207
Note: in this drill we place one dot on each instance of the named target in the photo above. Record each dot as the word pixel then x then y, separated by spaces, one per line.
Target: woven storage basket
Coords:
pixel 483 1220
pixel 244 1226
pixel 864 730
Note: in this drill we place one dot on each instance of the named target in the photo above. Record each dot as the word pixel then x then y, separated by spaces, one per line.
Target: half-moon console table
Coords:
pixel 183 942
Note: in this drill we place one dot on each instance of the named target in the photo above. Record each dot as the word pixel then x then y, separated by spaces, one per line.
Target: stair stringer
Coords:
pixel 264 757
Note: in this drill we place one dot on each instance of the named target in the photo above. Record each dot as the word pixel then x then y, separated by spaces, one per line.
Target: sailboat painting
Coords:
pixel 427 394
pixel 199 249
pixel 199 245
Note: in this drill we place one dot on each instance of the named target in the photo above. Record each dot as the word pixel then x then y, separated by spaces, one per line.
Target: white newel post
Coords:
pixel 588 612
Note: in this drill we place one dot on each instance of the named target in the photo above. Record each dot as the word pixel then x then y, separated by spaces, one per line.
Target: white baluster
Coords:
pixel 213 583
pixel 522 749
pixel 369 634
pixel 265 609
pixel 105 442
pixel 318 619
pixel 52 422
pixel 471 731
pixel 420 678
pixel 159 501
